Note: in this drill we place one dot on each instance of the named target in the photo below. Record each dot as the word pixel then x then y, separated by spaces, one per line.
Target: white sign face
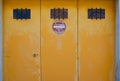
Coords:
pixel 59 27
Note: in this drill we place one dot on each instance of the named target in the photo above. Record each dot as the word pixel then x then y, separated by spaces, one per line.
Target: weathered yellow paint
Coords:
pixel 97 42
pixel 58 52
pixel 84 52
pixel 21 39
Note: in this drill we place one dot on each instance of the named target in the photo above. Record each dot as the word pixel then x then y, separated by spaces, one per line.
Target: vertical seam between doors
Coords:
pixel 40 46
pixel 78 68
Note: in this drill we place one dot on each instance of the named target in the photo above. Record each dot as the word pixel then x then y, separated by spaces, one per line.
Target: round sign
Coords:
pixel 59 27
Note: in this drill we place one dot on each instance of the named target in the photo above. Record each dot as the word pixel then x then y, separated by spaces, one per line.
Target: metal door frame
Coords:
pixel 117 41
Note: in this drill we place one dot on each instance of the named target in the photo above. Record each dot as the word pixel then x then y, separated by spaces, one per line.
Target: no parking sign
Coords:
pixel 59 27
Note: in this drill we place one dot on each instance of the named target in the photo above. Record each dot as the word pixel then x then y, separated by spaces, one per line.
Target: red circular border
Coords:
pixel 58 21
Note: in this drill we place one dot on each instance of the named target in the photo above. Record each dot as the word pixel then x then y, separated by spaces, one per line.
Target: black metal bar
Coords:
pixel 21 13
pixel 96 13
pixel 59 13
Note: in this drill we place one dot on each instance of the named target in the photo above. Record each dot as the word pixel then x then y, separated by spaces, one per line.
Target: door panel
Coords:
pixel 58 52
pixel 21 40
pixel 97 42
pixel 86 48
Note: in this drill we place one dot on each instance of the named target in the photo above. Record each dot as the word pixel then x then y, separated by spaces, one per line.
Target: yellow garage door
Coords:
pixel 58 49
pixel 21 42
pixel 62 41
pixel 96 41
